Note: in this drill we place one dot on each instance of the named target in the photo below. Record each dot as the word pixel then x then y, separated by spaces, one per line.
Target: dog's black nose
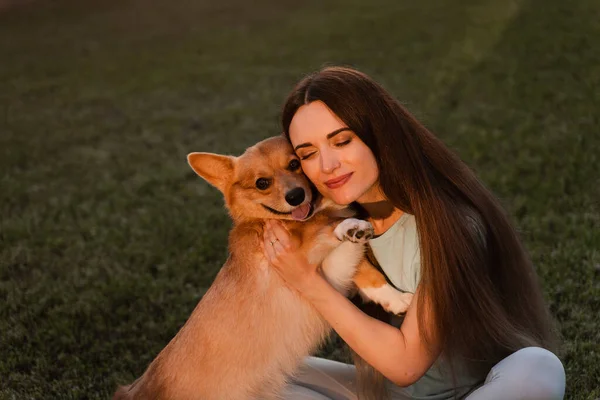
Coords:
pixel 295 196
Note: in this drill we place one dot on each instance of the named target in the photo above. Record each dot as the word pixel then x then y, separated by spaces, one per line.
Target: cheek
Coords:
pixel 371 179
pixel 310 169
pixel 369 168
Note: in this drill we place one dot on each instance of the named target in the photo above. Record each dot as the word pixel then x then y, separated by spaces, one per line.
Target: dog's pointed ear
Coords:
pixel 216 169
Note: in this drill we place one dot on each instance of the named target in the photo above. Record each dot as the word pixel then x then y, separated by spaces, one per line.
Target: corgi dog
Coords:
pixel 250 332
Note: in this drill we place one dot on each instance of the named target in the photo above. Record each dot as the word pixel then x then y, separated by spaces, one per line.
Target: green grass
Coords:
pixel 108 239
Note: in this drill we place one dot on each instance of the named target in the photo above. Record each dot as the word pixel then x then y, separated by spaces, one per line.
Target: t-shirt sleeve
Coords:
pixel 412 250
pixel 412 259
pixel 416 270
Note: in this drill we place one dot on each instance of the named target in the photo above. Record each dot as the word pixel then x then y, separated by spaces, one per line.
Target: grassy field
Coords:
pixel 108 239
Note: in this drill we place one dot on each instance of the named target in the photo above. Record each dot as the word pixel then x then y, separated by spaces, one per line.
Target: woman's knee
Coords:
pixel 540 372
pixel 554 371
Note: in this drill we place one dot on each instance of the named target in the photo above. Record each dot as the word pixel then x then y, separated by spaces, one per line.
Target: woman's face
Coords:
pixel 341 166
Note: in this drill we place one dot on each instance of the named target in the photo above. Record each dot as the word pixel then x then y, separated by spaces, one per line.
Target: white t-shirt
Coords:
pixel 398 253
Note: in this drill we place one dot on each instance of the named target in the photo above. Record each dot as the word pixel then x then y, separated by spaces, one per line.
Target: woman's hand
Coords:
pixel 286 258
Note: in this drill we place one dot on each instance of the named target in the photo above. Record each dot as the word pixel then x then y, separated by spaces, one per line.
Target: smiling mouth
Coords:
pixel 300 213
pixel 337 182
pixel 274 211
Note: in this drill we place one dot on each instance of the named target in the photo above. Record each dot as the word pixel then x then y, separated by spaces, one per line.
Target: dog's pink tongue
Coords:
pixel 301 212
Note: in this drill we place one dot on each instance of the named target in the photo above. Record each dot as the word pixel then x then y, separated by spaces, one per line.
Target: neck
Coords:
pixel 382 215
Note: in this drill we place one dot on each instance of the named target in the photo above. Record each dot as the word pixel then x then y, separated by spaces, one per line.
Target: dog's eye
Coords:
pixel 294 165
pixel 262 183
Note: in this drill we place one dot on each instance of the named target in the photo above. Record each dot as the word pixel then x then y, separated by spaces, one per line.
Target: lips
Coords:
pixel 339 181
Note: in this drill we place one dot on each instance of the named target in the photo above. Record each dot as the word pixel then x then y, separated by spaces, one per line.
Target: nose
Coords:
pixel 329 162
pixel 295 196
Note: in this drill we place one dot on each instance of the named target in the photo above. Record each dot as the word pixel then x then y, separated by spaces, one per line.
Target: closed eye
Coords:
pixel 341 144
pixel 307 156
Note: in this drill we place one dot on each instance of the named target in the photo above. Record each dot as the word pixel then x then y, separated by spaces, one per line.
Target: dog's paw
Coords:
pixel 399 303
pixel 389 298
pixel 354 230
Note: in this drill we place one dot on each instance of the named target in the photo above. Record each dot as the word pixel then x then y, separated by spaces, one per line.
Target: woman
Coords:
pixel 477 325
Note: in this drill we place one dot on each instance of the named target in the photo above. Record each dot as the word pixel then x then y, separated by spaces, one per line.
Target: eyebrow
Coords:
pixel 329 136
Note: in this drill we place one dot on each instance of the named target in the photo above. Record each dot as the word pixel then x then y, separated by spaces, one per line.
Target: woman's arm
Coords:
pixel 399 354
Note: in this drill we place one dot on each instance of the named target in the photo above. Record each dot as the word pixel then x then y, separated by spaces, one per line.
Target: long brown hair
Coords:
pixel 476 279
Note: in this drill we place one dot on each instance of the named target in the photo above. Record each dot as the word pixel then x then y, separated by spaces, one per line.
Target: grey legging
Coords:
pixel 531 373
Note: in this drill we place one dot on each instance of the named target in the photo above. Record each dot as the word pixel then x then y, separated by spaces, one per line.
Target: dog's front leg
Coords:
pixel 372 286
pixel 371 283
pixel 340 265
pixel 354 230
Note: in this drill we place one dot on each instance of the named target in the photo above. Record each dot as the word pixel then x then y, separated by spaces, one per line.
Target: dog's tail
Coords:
pixel 122 393
pixel 370 382
pixel 126 392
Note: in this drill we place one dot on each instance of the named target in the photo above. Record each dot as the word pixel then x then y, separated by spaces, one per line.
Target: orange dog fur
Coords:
pixel 249 333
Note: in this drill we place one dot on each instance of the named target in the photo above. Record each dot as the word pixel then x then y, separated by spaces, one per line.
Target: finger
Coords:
pixel 269 251
pixel 278 247
pixel 269 224
pixel 271 240
pixel 281 233
pixel 267 238
pixel 272 243
pixel 269 232
pixel 278 225
pixel 268 235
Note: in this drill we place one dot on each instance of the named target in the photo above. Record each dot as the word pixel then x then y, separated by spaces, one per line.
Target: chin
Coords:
pixel 342 199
